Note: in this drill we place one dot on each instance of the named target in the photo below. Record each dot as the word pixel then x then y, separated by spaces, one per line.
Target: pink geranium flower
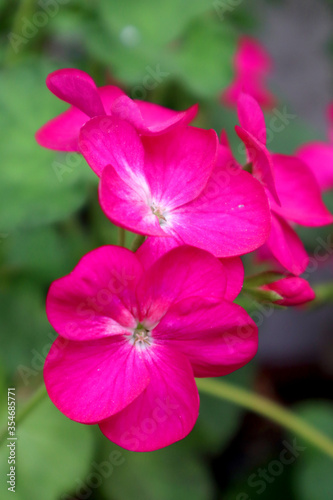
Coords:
pixel 291 187
pixel 171 185
pixel 318 156
pixel 252 65
pixel 132 337
pixel 79 90
pixel 293 290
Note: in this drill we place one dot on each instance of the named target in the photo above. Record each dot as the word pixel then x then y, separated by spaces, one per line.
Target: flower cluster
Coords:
pixel 135 328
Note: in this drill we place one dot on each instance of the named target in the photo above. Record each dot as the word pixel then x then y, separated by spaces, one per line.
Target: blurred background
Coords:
pixel 50 217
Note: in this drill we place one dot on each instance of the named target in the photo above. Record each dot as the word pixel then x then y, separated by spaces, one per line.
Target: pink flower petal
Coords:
pixel 182 272
pixel 251 57
pixel 319 157
pixel 111 141
pixel 158 119
pixel 77 88
pixel 97 298
pixel 298 192
pixel 108 94
pixel 230 217
pixel 295 291
pixel 62 132
pixel 251 118
pixel 154 247
pixel 258 155
pixel 148 118
pixel 253 86
pixel 217 338
pixel 126 109
pixel 128 204
pixel 90 381
pixel 179 164
pixel 235 276
pixel 165 412
pixel 286 246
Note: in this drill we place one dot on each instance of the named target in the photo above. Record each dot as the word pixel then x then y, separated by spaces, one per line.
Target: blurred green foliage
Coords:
pixel 50 217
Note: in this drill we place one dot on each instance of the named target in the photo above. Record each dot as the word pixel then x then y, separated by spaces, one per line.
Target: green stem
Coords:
pixel 21 415
pixel 121 236
pixel 137 242
pixel 266 408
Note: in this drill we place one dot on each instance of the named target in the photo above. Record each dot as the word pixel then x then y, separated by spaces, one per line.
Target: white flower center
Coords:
pixel 160 212
pixel 141 337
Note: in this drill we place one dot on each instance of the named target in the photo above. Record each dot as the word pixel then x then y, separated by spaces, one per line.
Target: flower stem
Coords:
pixel 26 410
pixel 137 242
pixel 121 236
pixel 269 409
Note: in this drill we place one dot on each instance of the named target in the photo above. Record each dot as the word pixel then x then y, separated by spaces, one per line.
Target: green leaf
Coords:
pixel 147 23
pixel 26 333
pixel 262 295
pixel 262 278
pixel 139 50
pixel 313 477
pixel 31 188
pixel 171 473
pixel 53 454
pixel 204 59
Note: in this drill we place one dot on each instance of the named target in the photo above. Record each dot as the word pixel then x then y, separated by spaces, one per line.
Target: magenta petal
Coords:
pixel 230 217
pixel 235 276
pixel 90 381
pixel 126 109
pixel 252 57
pixel 182 272
pixel 251 118
pixel 62 132
pixel 299 192
pixel 128 204
pixel 165 412
pixel 294 290
pixel 77 88
pixel 97 298
pixel 262 164
pixel 319 157
pixel 253 86
pixel 154 247
pixel 179 164
pixel 158 119
pixel 109 140
pixel 286 246
pixel 216 338
pixel 108 94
